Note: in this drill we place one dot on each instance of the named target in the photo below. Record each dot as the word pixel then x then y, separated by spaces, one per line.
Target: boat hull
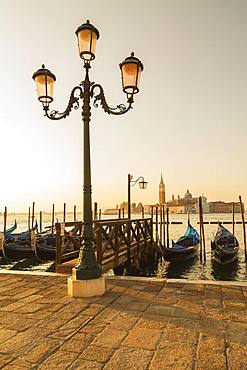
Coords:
pixel 171 254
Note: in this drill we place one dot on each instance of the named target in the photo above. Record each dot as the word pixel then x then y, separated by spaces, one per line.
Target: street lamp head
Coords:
pixel 87 36
pixel 131 69
pixel 44 80
pixel 143 184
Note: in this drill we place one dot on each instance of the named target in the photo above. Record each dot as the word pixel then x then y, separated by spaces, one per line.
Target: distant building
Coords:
pixel 186 204
pixel 162 192
pixel 223 207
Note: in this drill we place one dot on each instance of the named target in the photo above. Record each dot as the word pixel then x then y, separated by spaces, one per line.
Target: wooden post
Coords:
pixel 142 212
pixel 33 214
pixel 119 213
pixel 200 222
pixel 123 212
pixel 243 222
pixel 29 217
pixel 95 212
pixel 156 224
pixel 5 220
pixel 52 218
pixel 167 227
pixel 161 222
pixel 58 245
pixel 40 221
pixel 74 212
pixel 233 218
pixel 202 230
pixel 100 214
pixel 64 212
pixel 164 225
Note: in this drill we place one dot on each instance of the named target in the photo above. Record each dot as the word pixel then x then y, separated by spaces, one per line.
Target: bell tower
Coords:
pixel 162 193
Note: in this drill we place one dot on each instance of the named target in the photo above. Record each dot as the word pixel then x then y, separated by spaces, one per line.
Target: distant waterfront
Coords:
pixel 164 269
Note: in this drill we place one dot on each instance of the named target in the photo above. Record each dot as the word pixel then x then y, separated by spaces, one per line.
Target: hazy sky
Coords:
pixel 188 121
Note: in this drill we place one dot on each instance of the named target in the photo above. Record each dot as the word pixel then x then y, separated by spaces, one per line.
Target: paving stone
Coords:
pixel 93 309
pixel 19 364
pixel 78 342
pixel 150 321
pixel 123 321
pixel 236 356
pixel 30 308
pixel 59 361
pixel 31 298
pixel 210 326
pixel 211 353
pixel 129 359
pixel 93 328
pixel 5 359
pixel 105 316
pixel 140 337
pixel 81 364
pixel 5 334
pixel 110 337
pixel 12 306
pixel 43 350
pixel 22 324
pixel 160 310
pixel 97 353
pixel 236 332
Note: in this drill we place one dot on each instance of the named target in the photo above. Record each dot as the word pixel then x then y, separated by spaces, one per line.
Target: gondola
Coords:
pixel 225 246
pixel 10 229
pixel 45 246
pixel 20 244
pixel 185 248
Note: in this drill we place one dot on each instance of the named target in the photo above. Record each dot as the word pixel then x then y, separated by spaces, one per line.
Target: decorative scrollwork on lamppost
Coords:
pixel 131 68
pixel 142 184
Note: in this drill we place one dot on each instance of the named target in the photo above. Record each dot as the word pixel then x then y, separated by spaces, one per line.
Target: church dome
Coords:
pixel 187 195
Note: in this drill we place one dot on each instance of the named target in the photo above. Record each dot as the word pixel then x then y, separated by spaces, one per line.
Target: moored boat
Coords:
pixel 19 244
pixel 225 246
pixel 185 248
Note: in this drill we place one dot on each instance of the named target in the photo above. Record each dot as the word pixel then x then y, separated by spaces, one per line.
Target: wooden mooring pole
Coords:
pixel 95 212
pixel 167 227
pixel 29 216
pixel 74 212
pixel 156 224
pixel 202 236
pixel 164 225
pixel 5 220
pixel 233 219
pixel 123 212
pixel 161 224
pixel 64 212
pixel 119 213
pixel 40 221
pixel 33 214
pixel 52 218
pixel 142 212
pixel 100 214
pixel 243 222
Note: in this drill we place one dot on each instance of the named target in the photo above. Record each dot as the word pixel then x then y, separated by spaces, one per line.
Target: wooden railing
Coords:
pixel 115 241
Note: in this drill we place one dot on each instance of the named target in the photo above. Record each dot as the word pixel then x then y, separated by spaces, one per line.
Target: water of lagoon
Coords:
pixel 189 270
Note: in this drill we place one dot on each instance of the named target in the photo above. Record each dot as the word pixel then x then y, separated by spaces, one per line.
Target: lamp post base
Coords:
pixel 85 288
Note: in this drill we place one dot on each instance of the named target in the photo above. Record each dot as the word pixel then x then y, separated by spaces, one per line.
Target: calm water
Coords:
pixel 191 270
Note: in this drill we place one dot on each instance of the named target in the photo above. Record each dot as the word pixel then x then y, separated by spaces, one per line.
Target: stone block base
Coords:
pixel 86 288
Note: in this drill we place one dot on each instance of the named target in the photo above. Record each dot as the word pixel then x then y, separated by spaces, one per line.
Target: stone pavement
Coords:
pixel 138 324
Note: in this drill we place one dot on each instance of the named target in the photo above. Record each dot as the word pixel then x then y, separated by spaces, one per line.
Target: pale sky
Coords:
pixel 188 121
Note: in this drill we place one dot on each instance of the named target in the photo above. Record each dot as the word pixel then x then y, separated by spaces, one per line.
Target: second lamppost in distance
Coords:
pixel 142 184
pixel 87 268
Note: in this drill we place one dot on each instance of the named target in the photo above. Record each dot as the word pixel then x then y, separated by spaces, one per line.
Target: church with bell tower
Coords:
pixel 162 192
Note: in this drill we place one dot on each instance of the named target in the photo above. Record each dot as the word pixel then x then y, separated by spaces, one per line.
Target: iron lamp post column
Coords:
pixel 131 68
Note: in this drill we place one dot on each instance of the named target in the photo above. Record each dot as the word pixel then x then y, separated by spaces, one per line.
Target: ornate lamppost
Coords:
pixel 142 184
pixel 86 276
